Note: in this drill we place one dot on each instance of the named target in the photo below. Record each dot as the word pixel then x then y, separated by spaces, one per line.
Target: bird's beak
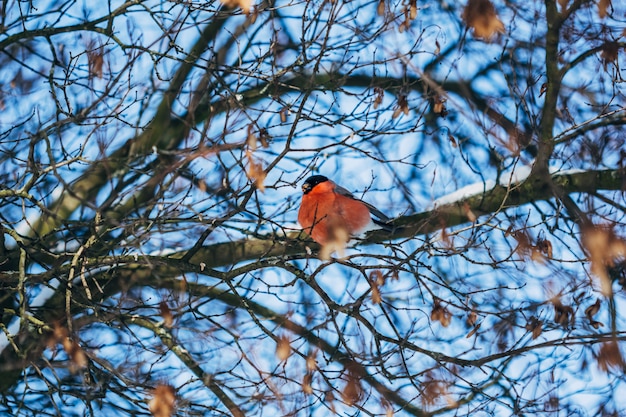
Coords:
pixel 306 188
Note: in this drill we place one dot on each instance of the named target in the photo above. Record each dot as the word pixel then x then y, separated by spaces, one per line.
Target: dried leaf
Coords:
pixel 610 357
pixel 563 315
pixel 480 15
pixel 473 331
pixel 264 137
pixel 329 399
pixel 535 326
pixel 604 248
pixel 610 51
pixel 311 363
pixel 452 141
pixel 352 391
pixel 380 95
pixel 596 324
pixel 283 114
pixel 307 388
pixel 95 58
pixel 433 390
pixel 472 318
pixel 439 106
pixel 603 6
pixel 413 7
pixel 591 311
pixel 78 358
pixel 283 348
pixel 376 297
pixel 377 277
pixel 401 107
pixel 163 401
pixel 252 139
pixel 441 314
pixel 245 5
pixel 381 8
pixel 255 172
pixel 545 247
pixel 166 314
pixel 468 212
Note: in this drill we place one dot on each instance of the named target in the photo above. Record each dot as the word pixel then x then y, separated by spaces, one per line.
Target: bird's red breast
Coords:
pixel 330 216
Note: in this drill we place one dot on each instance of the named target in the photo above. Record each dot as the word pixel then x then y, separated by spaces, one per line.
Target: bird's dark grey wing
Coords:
pixel 383 218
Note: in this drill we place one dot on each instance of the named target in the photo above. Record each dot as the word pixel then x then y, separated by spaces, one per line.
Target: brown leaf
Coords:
pixel 245 5
pixel 591 311
pixel 255 172
pixel 544 246
pixel 440 314
pixel 604 248
pixel 307 388
pixel 452 141
pixel 473 331
pixel 610 51
pixel 433 390
pixel 311 363
pixel 401 107
pixel 252 139
pixel 563 315
pixel 413 6
pixel 603 6
pixel 563 4
pixel 95 58
pixel 166 314
pixel 480 15
pixel 377 277
pixel 381 8
pixel 376 297
pixel 78 358
pixel 380 95
pixel 472 318
pixel 264 137
pixel 163 401
pixel 535 326
pixel 283 348
pixel 352 391
pixel 596 324
pixel 468 212
pixel 439 106
pixel 610 357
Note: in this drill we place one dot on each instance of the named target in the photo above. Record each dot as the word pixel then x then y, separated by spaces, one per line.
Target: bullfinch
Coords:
pixel 330 214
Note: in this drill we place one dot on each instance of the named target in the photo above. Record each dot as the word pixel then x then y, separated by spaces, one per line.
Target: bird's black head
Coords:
pixel 312 181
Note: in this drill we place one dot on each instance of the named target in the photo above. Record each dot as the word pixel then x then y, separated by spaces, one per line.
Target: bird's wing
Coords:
pixel 383 218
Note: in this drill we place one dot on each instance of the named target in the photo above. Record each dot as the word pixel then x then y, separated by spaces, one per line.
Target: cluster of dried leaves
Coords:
pixel 441 314
pixel 538 252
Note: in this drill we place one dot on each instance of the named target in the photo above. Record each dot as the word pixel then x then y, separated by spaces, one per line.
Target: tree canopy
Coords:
pixel 152 154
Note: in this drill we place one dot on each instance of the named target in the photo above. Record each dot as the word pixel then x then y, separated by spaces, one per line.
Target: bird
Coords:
pixel 330 214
